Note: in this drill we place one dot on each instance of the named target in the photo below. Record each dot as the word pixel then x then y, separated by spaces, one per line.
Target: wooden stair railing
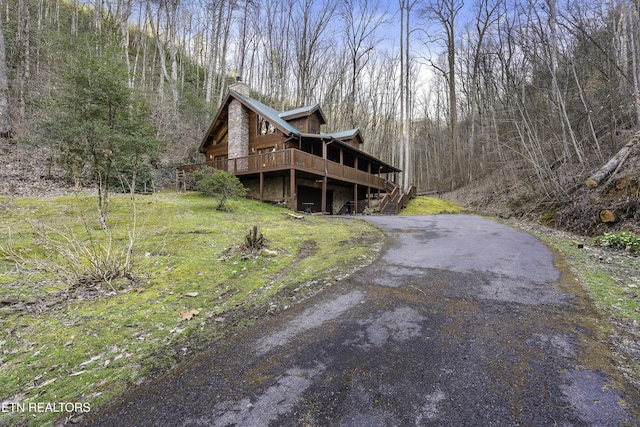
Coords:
pixel 394 201
pixel 389 196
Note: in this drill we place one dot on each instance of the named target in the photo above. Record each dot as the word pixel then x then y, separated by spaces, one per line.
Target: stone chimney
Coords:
pixel 238 136
pixel 240 87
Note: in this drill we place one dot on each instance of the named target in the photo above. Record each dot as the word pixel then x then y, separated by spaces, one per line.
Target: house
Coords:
pixel 283 157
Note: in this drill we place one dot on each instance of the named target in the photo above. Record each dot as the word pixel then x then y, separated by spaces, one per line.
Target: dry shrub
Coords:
pixel 88 257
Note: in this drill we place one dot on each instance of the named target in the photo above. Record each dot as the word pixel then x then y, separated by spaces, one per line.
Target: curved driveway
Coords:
pixel 461 322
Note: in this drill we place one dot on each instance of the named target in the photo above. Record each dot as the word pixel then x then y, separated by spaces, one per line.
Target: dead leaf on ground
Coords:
pixel 19 397
pixel 93 359
pixel 44 384
pixel 191 294
pixel 188 315
pixel 47 382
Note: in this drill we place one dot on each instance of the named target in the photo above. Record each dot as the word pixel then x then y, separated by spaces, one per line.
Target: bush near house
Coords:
pixel 212 182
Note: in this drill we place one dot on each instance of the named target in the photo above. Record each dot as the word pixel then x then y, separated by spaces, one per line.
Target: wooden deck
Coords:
pixel 295 159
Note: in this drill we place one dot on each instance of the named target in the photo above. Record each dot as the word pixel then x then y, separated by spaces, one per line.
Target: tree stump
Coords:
pixel 254 240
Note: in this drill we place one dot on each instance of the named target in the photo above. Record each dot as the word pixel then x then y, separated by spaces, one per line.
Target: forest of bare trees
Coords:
pixel 544 91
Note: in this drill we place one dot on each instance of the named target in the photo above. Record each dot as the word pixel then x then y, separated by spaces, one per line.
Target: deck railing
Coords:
pixel 292 157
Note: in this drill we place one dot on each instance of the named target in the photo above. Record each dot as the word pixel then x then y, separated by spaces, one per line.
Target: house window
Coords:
pixel 264 127
pixel 314 126
pixel 266 150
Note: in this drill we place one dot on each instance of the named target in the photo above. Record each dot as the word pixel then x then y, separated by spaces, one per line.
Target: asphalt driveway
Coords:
pixel 461 322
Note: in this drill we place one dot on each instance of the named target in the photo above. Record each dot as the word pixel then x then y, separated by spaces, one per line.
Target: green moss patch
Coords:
pixel 429 206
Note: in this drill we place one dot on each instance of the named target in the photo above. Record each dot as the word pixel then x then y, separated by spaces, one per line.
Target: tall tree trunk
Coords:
pixel 244 41
pixel 403 8
pixel 567 130
pixel 212 54
pixel 633 25
pixel 123 16
pixel 22 36
pixel 223 50
pixel 5 117
pixel 453 100
pixel 407 175
pixel 170 9
pixel 444 13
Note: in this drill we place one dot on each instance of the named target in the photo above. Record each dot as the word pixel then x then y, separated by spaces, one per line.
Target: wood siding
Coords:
pixel 259 142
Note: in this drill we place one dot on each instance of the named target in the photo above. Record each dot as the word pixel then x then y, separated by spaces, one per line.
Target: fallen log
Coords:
pixel 613 164
pixel 294 216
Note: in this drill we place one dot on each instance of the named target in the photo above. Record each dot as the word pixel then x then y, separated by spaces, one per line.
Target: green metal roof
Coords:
pixel 304 111
pixel 351 133
pixel 268 113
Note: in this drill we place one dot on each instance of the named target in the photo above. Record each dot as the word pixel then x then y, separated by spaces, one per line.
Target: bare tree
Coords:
pixel 276 25
pixel 486 16
pixel 246 37
pixel 219 23
pixel 311 20
pixel 24 52
pixel 405 91
pixel 444 13
pixel 166 12
pixel 5 117
pixel 362 20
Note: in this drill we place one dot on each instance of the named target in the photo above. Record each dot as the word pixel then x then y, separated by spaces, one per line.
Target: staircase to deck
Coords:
pixel 395 199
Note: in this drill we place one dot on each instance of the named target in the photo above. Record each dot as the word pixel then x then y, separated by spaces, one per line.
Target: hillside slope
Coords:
pixel 28 171
pixel 579 212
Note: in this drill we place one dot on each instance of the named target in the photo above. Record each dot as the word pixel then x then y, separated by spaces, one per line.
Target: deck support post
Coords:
pixel 368 197
pixel 323 207
pixel 261 186
pixel 324 195
pixel 292 190
pixel 355 198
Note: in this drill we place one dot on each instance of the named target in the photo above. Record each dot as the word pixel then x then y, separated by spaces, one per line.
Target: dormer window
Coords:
pixel 264 127
pixel 313 125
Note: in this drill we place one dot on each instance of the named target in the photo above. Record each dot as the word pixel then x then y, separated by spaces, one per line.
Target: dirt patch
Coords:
pixel 13 301
pixel 29 171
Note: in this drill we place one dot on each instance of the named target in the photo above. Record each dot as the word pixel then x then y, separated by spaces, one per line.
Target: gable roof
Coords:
pixel 345 135
pixel 304 112
pixel 342 136
pixel 269 114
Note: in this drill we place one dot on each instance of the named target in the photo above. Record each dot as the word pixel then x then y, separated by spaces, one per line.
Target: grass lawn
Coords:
pixel 84 343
